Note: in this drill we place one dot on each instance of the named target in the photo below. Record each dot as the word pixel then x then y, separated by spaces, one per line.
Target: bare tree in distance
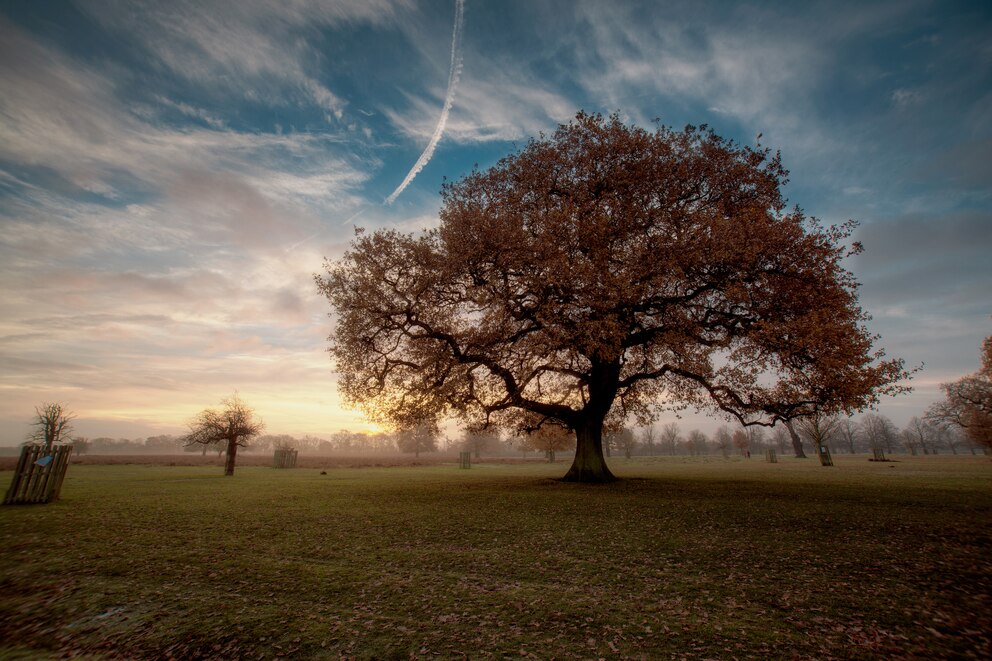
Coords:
pixel 670 436
pixel 723 439
pixel 421 436
pixel 230 427
pixel 742 441
pixel 478 440
pixel 550 439
pixel 649 439
pixel 780 437
pixel 879 431
pixel 968 402
pixel 922 434
pixel 624 440
pixel 52 424
pixel 80 445
pixel 850 431
pixel 600 271
pixel 819 429
pixel 755 438
pixel 695 442
pixel 949 436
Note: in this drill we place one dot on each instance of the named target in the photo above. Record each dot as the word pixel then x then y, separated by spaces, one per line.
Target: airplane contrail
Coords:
pixel 453 75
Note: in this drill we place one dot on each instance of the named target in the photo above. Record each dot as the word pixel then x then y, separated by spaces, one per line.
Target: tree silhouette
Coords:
pixel 52 424
pixel 232 426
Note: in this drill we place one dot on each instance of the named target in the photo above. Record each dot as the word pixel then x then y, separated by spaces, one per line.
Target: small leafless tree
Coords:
pixel 919 433
pixel 476 440
pixel 670 436
pixel 624 440
pixel 723 440
pixel 80 445
pixel 850 432
pixel 819 429
pixel 780 437
pixel 880 431
pixel 232 426
pixel 649 439
pixel 742 441
pixel 419 437
pixel 696 442
pixel 52 424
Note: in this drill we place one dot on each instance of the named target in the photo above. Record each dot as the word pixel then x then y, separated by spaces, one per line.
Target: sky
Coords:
pixel 172 174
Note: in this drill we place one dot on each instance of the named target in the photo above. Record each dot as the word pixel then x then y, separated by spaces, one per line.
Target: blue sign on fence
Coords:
pixel 44 461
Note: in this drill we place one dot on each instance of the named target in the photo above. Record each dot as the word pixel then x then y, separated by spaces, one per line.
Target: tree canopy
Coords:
pixel 607 270
pixel 968 402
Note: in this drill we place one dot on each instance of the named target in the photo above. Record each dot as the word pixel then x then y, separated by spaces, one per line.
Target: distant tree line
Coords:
pixel 849 435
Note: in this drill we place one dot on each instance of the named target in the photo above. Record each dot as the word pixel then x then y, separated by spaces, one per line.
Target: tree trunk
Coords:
pixel 797 444
pixel 232 454
pixel 589 464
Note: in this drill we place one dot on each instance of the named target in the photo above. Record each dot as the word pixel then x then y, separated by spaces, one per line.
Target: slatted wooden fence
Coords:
pixel 39 475
pixel 284 458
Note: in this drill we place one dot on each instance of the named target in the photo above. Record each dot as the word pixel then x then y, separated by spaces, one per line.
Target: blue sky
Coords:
pixel 173 173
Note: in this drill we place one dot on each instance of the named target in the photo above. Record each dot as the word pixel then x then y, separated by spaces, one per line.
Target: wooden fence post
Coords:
pixel 284 458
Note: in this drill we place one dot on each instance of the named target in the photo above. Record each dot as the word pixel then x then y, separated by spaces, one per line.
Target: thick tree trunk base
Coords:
pixel 589 476
pixel 589 465
pixel 232 454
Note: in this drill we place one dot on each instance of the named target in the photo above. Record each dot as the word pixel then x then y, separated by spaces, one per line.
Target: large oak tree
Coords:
pixel 607 270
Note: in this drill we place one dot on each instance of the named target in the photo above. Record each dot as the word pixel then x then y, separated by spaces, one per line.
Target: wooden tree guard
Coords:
pixel 770 456
pixel 464 459
pixel 825 458
pixel 39 475
pixel 284 458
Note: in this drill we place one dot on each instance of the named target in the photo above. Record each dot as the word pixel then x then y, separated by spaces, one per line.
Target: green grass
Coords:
pixel 682 558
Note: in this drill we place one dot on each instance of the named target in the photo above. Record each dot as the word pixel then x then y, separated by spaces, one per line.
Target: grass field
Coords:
pixel 681 559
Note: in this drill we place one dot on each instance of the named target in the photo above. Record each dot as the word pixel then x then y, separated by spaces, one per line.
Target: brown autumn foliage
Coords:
pixel 968 402
pixel 549 439
pixel 601 271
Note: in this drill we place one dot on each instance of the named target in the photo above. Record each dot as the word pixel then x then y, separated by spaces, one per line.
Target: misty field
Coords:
pixel 703 558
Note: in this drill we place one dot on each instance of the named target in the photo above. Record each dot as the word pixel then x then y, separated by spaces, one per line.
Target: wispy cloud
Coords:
pixel 256 49
pixel 449 97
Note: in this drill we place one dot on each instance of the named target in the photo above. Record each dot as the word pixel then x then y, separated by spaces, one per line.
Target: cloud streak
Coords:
pixel 453 75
